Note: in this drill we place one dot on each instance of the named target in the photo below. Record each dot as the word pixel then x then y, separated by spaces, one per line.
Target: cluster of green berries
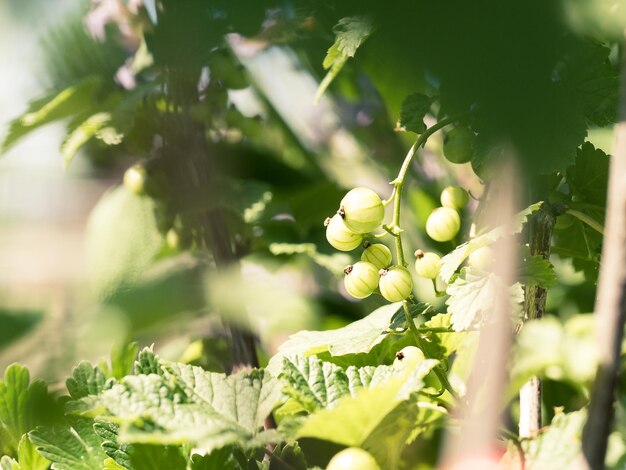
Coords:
pixel 444 223
pixel 361 211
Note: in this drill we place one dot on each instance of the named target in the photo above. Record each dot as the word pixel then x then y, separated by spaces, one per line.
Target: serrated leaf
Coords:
pixel 358 337
pixel 558 447
pixel 588 177
pixel 535 270
pixel 473 298
pixel 86 380
pixel 74 99
pixel 28 457
pixel 71 446
pixel 378 419
pixel 451 262
pixel 23 406
pixel 288 457
pixel 226 458
pixel 350 33
pixel 414 109
pixel 148 363
pixel 190 405
pixel 82 133
pixel 122 240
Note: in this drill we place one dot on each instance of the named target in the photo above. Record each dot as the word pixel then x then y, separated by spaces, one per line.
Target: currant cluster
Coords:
pixel 444 223
pixel 361 211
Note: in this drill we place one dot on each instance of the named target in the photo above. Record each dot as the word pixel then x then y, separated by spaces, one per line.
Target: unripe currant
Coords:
pixel 454 197
pixel 340 236
pixel 458 145
pixel 377 254
pixel 135 179
pixel 443 224
pixel 352 458
pixel 395 283
pixel 427 264
pixel 408 356
pixel 361 279
pixel 362 210
pixel 481 259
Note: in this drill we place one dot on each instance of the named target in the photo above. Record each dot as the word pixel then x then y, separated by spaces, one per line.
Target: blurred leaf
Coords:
pixel 226 458
pixel 473 298
pixel 122 240
pixel 335 263
pixel 451 262
pixel 414 109
pixel 122 359
pixel 358 337
pixel 288 457
pixel 72 446
pixel 536 271
pixel 350 33
pixel 557 447
pixel 73 100
pixel 23 406
pixel 83 133
pixel 28 457
pixel 16 323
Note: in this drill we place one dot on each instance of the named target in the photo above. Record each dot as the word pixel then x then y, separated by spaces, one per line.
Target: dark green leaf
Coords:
pixel 414 109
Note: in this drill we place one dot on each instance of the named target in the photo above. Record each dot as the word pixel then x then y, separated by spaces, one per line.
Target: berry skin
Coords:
pixel 340 236
pixel 362 210
pixel 427 264
pixel 454 197
pixel 458 145
pixel 135 179
pixel 408 356
pixel 377 254
pixel 443 224
pixel 352 458
pixel 481 259
pixel 361 279
pixel 395 283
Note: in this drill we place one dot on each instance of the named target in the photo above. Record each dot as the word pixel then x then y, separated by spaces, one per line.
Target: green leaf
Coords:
pixel 72 446
pixel 335 263
pixel 110 464
pixel 28 457
pixel 558 447
pixel 473 298
pixel 451 262
pixel 122 240
pixel 187 404
pixel 288 457
pixel 123 356
pixel 535 270
pixel 350 33
pixel 23 406
pixel 148 363
pixel 588 177
pixel 73 100
pixel 414 108
pixel 226 458
pixel 16 323
pixel 82 133
pixel 359 337
pixel 379 419
pixel 86 380
pixel 549 349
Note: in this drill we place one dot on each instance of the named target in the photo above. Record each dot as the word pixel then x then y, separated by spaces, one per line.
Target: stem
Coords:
pixel 534 307
pixel 593 223
pixel 441 375
pixel 399 181
pixel 610 307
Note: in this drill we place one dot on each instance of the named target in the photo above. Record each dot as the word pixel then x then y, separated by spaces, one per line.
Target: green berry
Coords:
pixel 408 356
pixel 564 221
pixel 362 210
pixel 454 197
pixel 427 264
pixel 135 179
pixel 340 236
pixel 443 224
pixel 377 254
pixel 395 283
pixel 481 259
pixel 361 279
pixel 352 458
pixel 458 145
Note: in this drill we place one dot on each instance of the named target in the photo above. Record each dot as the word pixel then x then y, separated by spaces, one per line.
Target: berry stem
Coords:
pixel 399 181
